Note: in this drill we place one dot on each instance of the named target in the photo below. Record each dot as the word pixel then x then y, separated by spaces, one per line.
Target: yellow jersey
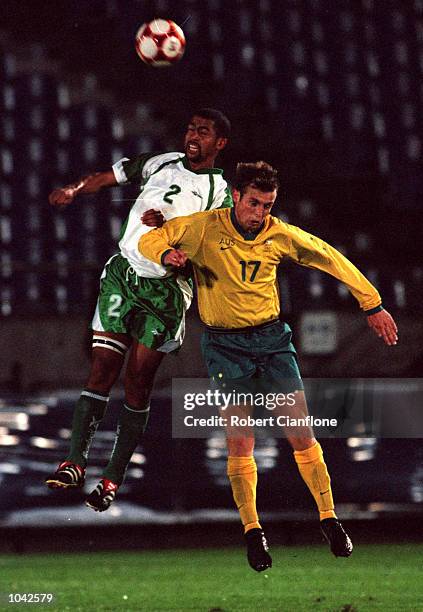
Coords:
pixel 235 271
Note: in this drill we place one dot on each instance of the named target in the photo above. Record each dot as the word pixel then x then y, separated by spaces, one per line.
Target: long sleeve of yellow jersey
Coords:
pixel 312 252
pixel 184 233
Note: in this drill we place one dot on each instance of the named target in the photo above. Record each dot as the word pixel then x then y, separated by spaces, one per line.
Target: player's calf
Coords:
pixel 67 476
pixel 103 495
pixel 257 550
pixel 339 541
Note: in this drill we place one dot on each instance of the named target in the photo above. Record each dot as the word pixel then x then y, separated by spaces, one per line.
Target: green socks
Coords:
pixel 131 426
pixel 89 410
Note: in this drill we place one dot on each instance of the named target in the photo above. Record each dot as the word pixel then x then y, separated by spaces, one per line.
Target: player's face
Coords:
pixel 253 206
pixel 202 143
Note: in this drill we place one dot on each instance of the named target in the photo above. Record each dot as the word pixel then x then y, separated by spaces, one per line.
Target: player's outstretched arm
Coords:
pixel 312 252
pixel 384 326
pixel 88 184
pixel 182 234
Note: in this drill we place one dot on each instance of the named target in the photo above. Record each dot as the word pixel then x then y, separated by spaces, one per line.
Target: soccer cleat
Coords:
pixel 68 475
pixel 339 541
pixel 103 495
pixel 257 550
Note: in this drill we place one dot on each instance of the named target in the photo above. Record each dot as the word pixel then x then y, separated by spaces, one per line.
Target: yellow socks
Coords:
pixel 242 473
pixel 315 474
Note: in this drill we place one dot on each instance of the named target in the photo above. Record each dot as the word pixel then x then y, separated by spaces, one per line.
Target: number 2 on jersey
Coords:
pixel 115 301
pixel 254 271
pixel 173 190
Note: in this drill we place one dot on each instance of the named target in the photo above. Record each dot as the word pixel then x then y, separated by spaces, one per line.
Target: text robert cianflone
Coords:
pixel 249 421
pixel 221 400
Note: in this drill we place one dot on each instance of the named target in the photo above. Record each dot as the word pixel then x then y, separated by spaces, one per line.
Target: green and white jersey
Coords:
pixel 167 184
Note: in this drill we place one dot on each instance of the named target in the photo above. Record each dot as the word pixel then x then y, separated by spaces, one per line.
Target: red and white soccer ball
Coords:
pixel 160 42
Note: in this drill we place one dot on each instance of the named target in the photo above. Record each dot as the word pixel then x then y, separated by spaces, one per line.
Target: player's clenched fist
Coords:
pixel 176 258
pixel 153 218
pixel 63 196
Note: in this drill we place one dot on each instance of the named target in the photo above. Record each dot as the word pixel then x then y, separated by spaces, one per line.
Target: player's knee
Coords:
pixel 301 443
pixel 240 447
pixel 139 376
pixel 145 371
pixel 137 391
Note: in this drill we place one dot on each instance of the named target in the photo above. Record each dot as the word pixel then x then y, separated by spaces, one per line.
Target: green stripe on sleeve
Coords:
pixel 211 192
pixel 134 167
pixel 227 202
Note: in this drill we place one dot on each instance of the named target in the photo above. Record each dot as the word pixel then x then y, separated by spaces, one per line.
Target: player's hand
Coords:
pixel 175 258
pixel 153 218
pixel 384 326
pixel 63 196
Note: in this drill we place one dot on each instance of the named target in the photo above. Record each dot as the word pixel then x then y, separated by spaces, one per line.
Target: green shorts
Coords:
pixel 151 310
pixel 262 356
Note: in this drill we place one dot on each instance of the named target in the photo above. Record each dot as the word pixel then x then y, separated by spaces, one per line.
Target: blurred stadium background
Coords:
pixel 328 91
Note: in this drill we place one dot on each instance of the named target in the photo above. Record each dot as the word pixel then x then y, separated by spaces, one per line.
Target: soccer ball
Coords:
pixel 160 42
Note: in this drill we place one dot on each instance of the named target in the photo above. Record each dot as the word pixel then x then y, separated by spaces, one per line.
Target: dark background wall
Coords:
pixel 329 92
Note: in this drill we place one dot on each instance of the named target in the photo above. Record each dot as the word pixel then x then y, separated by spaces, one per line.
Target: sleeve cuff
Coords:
pixel 119 172
pixel 373 311
pixel 164 255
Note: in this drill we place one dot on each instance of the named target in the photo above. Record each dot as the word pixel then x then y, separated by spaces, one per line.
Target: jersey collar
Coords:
pixel 247 235
pixel 185 162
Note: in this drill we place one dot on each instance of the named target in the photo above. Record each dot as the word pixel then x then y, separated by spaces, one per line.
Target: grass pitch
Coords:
pixel 376 577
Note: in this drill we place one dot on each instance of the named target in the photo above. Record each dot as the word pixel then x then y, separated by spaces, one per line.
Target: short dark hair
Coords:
pixel 222 124
pixel 260 175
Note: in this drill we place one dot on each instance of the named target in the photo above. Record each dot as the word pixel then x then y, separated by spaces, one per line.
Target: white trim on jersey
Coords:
pixel 119 172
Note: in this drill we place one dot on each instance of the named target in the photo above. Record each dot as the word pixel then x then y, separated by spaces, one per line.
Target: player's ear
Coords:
pixel 221 143
pixel 236 195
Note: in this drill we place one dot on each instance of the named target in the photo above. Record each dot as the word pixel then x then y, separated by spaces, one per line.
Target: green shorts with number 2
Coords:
pixel 151 310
